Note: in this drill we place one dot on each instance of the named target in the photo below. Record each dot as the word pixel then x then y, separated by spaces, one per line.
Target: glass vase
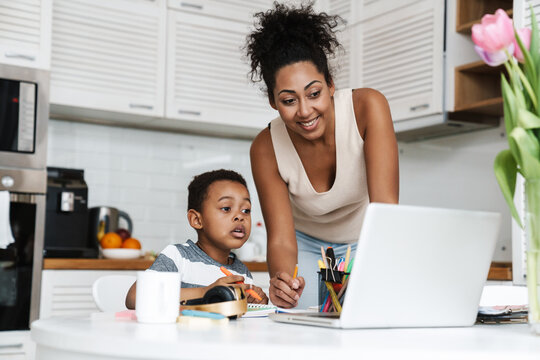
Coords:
pixel 532 229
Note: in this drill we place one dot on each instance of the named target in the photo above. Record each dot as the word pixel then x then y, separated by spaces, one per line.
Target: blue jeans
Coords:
pixel 309 252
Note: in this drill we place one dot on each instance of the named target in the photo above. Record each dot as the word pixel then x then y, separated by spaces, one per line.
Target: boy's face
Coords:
pixel 226 215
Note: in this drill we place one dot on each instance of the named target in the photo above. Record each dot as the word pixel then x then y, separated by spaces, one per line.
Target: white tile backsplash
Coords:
pixel 146 173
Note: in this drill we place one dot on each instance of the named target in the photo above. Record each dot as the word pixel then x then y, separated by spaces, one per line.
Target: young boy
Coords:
pixel 219 210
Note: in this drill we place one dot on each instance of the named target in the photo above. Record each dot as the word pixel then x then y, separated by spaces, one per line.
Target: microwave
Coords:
pixel 24 113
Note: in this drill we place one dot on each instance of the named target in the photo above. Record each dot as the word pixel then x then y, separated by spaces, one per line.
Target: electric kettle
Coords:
pixel 104 219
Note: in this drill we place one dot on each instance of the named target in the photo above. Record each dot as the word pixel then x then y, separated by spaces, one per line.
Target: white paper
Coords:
pixel 6 237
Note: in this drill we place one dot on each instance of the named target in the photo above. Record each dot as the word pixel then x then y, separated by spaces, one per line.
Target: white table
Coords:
pixel 102 337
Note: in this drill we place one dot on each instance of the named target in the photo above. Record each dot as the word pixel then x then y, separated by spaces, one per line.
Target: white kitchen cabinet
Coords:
pixel 341 63
pixel 237 10
pixel 16 345
pixel 400 53
pixel 367 9
pixel 69 292
pixel 108 56
pixel 207 77
pixel 25 33
pixel 522 12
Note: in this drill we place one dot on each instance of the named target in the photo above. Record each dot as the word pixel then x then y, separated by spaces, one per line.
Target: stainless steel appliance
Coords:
pixel 66 219
pixel 106 219
pixel 24 109
pixel 24 112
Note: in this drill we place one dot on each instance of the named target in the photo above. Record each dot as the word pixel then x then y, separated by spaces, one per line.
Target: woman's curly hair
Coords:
pixel 285 35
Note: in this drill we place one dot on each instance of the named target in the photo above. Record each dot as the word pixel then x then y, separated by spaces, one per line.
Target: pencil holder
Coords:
pixel 334 276
pixel 323 291
pixel 325 275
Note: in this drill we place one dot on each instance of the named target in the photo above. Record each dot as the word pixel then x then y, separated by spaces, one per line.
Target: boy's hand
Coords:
pixel 259 291
pixel 227 280
pixel 285 291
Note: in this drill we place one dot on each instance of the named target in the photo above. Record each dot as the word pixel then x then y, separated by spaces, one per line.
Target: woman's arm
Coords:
pixel 131 295
pixel 282 250
pixel 380 146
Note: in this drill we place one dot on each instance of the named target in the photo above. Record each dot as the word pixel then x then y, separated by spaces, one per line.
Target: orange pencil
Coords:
pixel 295 271
pixel 250 291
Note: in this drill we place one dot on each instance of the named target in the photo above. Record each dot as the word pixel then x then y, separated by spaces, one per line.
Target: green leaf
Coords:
pixel 527 119
pixel 534 47
pixel 509 105
pixel 534 50
pixel 505 168
pixel 530 67
pixel 520 100
pixel 526 151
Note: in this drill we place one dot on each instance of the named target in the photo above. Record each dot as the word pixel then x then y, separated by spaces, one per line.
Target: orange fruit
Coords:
pixel 111 240
pixel 131 243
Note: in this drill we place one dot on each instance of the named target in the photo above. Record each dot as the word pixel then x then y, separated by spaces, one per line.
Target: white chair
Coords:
pixel 110 292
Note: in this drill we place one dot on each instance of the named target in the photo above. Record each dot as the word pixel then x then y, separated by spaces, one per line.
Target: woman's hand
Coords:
pixel 259 291
pixel 286 291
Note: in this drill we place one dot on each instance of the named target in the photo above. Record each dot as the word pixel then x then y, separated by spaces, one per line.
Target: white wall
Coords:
pixel 457 172
pixel 146 173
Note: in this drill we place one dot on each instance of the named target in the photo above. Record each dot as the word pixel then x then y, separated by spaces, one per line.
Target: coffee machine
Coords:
pixel 66 219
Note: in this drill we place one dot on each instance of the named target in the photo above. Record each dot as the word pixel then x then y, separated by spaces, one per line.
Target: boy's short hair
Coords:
pixel 198 188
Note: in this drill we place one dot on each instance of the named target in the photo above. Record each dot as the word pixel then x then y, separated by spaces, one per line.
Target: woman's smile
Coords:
pixel 310 124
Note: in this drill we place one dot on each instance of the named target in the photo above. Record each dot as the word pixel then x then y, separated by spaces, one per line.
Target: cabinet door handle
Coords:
pixel 419 107
pixel 140 106
pixel 11 346
pixel 190 5
pixel 189 112
pixel 20 56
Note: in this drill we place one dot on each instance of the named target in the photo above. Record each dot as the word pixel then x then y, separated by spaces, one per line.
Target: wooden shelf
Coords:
pixel 478 89
pixel 488 107
pixel 500 271
pixel 470 12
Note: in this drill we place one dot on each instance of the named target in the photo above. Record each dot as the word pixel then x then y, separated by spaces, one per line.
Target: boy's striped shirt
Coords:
pixel 196 268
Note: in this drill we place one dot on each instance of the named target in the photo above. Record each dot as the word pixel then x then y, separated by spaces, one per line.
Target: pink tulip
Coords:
pixel 494 58
pixel 525 36
pixel 495 33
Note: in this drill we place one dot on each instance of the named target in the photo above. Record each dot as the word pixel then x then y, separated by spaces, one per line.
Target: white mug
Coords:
pixel 158 297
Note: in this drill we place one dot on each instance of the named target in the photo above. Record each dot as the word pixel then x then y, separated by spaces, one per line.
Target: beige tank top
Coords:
pixel 337 214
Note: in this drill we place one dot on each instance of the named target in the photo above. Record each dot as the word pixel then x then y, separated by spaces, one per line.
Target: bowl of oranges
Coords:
pixel 120 245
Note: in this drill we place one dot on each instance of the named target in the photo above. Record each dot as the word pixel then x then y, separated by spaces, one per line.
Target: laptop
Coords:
pixel 414 267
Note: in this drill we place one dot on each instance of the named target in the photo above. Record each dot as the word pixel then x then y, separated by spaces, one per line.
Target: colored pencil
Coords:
pixel 323 255
pixel 249 291
pixel 333 296
pixel 347 258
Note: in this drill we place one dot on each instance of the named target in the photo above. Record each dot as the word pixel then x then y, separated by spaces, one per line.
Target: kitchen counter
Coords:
pixel 119 264
pixel 498 270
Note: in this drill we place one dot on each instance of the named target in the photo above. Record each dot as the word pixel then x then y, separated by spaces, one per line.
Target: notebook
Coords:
pixel 259 310
pixel 414 267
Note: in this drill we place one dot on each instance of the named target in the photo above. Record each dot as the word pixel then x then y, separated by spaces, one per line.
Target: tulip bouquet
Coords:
pixel 497 42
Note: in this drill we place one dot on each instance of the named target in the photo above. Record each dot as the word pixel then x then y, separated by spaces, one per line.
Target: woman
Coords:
pixel 328 154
